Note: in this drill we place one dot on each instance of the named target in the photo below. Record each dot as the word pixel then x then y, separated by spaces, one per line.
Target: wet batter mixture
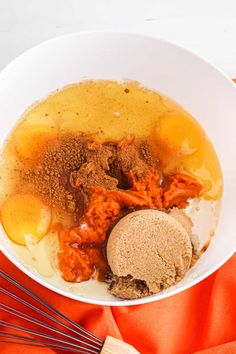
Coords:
pixel 92 153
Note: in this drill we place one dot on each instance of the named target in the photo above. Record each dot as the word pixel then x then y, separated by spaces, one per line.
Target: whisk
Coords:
pixel 47 327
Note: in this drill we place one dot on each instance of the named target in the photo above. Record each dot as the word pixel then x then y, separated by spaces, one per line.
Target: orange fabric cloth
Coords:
pixel 201 319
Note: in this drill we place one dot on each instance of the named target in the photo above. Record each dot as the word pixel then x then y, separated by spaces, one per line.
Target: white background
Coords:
pixel 208 27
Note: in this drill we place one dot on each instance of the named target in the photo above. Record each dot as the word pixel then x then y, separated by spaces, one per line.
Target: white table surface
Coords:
pixel 207 27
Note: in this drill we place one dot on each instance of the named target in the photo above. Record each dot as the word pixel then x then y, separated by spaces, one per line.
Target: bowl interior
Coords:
pixel 199 87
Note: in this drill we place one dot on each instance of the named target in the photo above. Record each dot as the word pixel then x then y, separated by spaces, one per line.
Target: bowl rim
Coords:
pixel 154 297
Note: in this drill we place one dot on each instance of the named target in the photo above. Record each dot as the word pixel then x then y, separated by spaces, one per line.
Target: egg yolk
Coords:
pixel 184 142
pixel 25 217
pixel 30 138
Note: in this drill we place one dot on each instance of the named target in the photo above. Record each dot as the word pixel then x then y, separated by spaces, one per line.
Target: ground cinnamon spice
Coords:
pixel 57 166
pixel 71 164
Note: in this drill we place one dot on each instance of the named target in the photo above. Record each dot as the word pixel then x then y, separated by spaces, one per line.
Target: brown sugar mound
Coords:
pixel 148 246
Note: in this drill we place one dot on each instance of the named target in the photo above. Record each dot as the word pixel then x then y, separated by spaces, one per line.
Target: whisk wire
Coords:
pixel 86 334
pixel 79 341
pixel 43 345
pixel 43 335
pixel 41 324
pixel 36 342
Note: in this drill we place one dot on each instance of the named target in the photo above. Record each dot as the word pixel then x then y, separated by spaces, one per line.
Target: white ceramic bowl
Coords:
pixel 198 86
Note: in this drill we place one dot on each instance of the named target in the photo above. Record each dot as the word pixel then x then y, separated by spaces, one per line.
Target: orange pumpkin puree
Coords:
pixel 81 254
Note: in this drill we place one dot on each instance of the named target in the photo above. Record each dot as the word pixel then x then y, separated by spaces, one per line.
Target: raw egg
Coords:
pixel 25 218
pixel 181 139
pixel 29 139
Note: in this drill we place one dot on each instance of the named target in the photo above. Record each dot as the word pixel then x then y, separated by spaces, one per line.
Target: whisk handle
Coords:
pixel 116 346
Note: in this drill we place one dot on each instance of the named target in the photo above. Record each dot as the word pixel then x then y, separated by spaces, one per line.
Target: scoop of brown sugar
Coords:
pixel 151 247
